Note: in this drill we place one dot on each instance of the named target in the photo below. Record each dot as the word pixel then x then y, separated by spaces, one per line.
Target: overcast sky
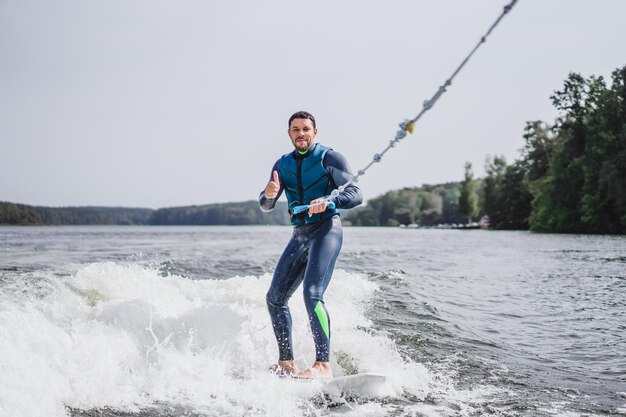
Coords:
pixel 153 103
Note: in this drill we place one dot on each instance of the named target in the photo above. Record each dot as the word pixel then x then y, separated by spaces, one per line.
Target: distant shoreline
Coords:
pixel 232 214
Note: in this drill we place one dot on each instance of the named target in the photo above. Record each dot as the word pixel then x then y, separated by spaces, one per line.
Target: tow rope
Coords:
pixel 408 125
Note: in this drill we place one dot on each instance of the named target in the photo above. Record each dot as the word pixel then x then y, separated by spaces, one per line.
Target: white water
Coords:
pixel 122 336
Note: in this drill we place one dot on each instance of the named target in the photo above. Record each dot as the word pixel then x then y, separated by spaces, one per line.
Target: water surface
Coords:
pixel 156 321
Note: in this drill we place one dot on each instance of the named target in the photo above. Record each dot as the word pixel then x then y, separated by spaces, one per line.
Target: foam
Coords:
pixel 127 338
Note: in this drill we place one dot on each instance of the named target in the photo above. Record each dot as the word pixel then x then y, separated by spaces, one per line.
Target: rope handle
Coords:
pixel 300 209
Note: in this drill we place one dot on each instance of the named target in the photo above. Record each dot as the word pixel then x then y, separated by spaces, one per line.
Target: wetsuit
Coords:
pixel 310 255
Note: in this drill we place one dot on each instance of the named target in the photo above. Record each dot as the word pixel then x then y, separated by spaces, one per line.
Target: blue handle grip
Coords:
pixel 300 209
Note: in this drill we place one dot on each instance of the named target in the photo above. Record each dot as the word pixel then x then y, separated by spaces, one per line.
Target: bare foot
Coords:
pixel 319 370
pixel 284 368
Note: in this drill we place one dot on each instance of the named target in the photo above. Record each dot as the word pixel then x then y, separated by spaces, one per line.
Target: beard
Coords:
pixel 302 145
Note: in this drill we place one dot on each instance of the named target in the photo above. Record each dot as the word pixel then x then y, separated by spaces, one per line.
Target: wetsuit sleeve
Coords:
pixel 337 166
pixel 268 204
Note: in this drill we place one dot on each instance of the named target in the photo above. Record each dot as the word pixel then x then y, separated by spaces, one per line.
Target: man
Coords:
pixel 308 175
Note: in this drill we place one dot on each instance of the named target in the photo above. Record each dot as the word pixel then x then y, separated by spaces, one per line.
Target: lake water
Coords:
pixel 171 321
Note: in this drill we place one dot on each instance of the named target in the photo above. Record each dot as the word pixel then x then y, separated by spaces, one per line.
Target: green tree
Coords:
pixel 468 200
pixel 583 188
pixel 600 203
pixel 495 169
pixel 538 150
pixel 515 199
pixel 556 205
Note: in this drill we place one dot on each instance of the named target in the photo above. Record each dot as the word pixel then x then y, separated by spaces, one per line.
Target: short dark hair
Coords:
pixel 302 115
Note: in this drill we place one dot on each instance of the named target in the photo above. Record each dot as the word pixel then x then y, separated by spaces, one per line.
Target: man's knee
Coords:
pixel 274 299
pixel 312 294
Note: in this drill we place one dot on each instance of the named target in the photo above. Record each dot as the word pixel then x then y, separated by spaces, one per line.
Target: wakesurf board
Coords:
pixel 359 385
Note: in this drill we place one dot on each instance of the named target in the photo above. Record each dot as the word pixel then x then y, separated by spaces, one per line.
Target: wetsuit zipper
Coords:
pixel 300 187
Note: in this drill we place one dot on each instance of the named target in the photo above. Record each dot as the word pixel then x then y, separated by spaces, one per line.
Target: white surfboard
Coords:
pixel 360 385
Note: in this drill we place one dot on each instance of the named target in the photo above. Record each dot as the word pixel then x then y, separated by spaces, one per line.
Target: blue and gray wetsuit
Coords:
pixel 310 255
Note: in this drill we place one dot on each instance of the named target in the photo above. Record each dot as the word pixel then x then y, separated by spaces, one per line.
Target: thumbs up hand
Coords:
pixel 272 187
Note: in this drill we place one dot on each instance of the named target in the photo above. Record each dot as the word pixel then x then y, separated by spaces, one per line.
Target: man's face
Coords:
pixel 302 133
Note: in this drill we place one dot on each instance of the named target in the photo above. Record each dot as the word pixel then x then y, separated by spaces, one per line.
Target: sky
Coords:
pixel 153 103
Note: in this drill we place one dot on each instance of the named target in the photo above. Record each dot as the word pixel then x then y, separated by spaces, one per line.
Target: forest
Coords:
pixel 571 176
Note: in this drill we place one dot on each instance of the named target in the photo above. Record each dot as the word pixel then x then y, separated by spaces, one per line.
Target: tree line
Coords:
pixel 241 213
pixel 427 205
pixel 22 214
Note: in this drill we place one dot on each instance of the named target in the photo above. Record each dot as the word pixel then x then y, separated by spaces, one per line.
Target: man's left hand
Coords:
pixel 314 209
